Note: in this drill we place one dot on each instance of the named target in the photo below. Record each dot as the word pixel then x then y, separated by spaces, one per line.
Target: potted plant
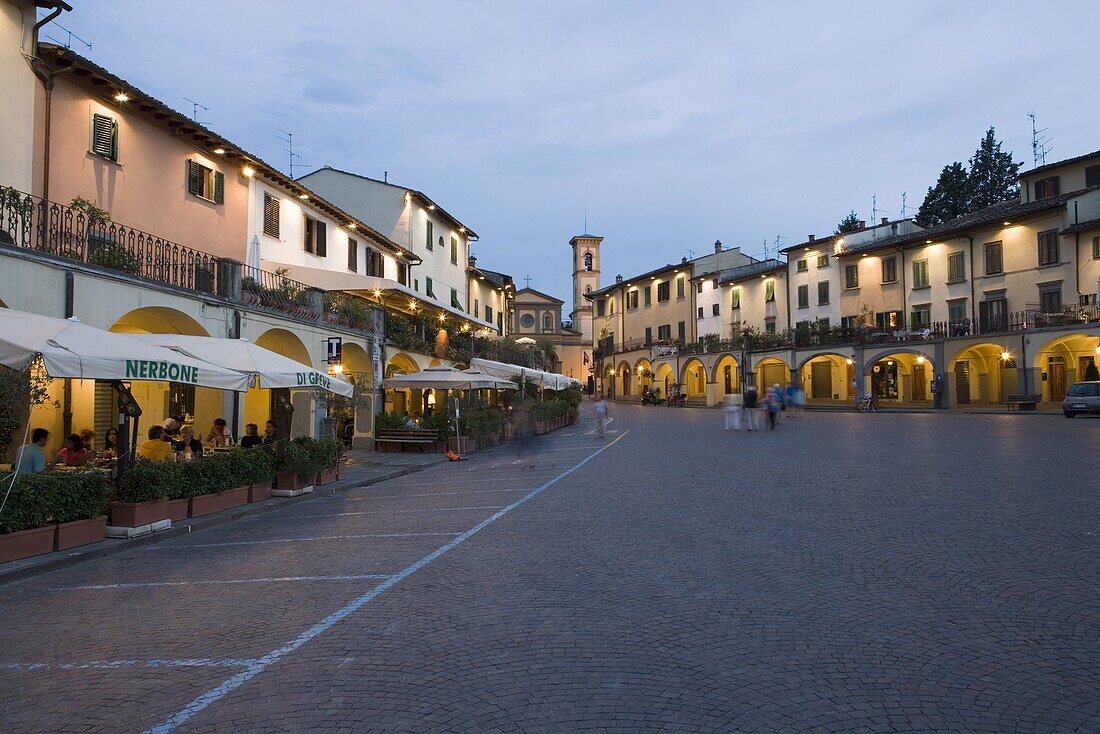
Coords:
pixel 298 468
pixel 328 456
pixel 23 528
pixel 77 504
pixel 142 499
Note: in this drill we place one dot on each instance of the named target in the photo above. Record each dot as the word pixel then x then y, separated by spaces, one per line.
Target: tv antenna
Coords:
pixel 289 150
pixel 1041 143
pixel 195 107
pixel 903 194
pixel 68 42
pixel 691 254
pixel 875 211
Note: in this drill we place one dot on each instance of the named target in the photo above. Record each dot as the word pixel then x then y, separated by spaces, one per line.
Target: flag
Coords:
pixel 586 357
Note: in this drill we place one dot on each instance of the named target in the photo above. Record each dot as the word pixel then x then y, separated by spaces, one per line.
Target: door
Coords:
pixel 993 315
pixel 773 374
pixel 1056 378
pixel 962 382
pixel 920 383
pixel 727 378
pixel 821 380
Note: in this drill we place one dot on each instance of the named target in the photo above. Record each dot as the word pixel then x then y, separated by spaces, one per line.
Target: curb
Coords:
pixel 114 546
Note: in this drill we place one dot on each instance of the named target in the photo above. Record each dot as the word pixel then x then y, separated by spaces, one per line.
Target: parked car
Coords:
pixel 1082 397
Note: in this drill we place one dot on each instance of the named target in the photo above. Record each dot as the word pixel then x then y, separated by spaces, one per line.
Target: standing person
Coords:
pixel 733 411
pixel 31 458
pixel 772 403
pixel 751 401
pixel 800 400
pixel 601 416
pixel 219 434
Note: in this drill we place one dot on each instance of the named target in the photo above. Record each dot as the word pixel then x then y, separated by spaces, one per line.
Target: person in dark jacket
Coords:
pixel 752 408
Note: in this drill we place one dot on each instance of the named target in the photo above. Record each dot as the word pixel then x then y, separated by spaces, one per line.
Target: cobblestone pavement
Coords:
pixel 843 573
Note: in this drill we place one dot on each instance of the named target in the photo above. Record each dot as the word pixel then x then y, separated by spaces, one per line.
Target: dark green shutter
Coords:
pixel 194 178
pixel 219 187
pixel 322 242
pixel 309 234
pixel 105 136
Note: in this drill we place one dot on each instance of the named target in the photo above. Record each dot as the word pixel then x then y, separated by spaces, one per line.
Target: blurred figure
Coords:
pixel 251 436
pixel 601 416
pixel 772 403
pixel 752 404
pixel 733 411
pixel 72 453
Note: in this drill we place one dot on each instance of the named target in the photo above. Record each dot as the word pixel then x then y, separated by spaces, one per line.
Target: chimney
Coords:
pixel 886 220
pixel 718 246
pixel 809 238
pixel 863 224
pixel 473 261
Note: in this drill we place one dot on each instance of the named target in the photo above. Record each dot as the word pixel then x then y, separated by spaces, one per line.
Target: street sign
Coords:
pixel 335 349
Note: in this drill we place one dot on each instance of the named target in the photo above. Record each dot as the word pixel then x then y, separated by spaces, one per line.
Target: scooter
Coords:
pixel 677 401
pixel 650 398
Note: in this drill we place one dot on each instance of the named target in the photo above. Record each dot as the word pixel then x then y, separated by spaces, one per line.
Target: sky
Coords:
pixel 672 124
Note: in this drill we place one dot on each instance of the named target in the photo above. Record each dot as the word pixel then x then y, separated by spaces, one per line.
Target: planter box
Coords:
pixel 26 543
pixel 460 446
pixel 136 514
pixel 289 480
pixel 341 466
pixel 326 476
pixel 178 509
pixel 80 532
pixel 235 497
pixel 206 504
pixel 259 492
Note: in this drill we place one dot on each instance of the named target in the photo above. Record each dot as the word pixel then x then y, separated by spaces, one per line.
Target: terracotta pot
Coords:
pixel 235 497
pixel 259 492
pixel 80 532
pixel 177 509
pixel 206 504
pixel 136 514
pixel 26 543
pixel 288 480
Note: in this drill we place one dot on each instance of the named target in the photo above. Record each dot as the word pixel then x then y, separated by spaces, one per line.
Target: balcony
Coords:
pixel 82 233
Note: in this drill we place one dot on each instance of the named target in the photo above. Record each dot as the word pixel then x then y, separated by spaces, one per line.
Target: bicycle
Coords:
pixel 866 404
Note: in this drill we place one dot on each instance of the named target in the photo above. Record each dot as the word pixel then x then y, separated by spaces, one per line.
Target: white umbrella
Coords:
pixel 72 349
pixel 271 368
pixel 446 378
pixel 526 340
pixel 252 260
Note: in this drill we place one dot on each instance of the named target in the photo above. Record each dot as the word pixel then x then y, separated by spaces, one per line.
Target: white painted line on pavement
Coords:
pixel 216 694
pixel 147 584
pixel 390 512
pixel 295 540
pixel 111 664
pixel 439 494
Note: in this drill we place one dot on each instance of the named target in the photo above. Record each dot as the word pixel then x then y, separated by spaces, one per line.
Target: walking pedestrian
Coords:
pixel 733 411
pixel 751 403
pixel 791 402
pixel 800 401
pixel 601 416
pixel 771 403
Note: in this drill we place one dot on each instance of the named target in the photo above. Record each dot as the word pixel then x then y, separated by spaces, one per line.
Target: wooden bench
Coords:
pixel 395 439
pixel 1023 402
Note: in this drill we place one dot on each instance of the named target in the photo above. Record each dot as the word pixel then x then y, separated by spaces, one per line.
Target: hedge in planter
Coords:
pixel 38 501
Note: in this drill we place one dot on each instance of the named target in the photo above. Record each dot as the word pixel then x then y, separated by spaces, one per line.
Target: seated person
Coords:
pixel 31 459
pixel 187 443
pixel 251 436
pixel 72 453
pixel 219 434
pixel 409 422
pixel 110 442
pixel 270 437
pixel 88 437
pixel 155 448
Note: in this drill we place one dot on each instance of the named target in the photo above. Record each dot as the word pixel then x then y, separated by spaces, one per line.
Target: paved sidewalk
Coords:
pixel 364 468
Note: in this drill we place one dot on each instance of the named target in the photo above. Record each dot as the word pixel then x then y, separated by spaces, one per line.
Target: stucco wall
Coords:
pixel 17 90
pixel 147 187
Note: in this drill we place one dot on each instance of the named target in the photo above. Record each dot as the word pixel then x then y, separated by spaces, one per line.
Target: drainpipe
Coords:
pixel 973 275
pixel 1077 255
pixel 67 392
pixel 904 289
pixel 47 83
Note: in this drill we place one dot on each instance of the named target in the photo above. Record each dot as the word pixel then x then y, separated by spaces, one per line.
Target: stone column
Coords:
pixel 229 278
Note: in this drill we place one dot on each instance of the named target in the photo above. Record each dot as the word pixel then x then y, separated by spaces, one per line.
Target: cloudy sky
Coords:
pixel 675 123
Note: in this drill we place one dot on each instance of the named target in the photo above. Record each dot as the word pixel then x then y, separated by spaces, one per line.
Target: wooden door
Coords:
pixel 920 383
pixel 1056 378
pixel 962 382
pixel 821 380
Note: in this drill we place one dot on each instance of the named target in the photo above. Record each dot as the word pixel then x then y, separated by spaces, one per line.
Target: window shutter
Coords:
pixel 322 242
pixel 194 178
pixel 105 136
pixel 308 245
pixel 271 216
pixel 219 187
pixel 353 255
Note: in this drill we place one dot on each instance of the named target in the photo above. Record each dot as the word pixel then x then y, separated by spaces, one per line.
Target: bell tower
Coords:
pixel 586 278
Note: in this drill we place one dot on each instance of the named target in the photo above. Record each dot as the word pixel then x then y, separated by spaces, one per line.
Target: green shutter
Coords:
pixel 322 239
pixel 194 178
pixel 309 234
pixel 736 301
pixel 219 187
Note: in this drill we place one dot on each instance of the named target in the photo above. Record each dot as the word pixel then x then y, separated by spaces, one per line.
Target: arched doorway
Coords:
pixel 259 406
pixel 644 372
pixel 355 416
pixel 901 377
pixel 726 375
pixel 827 378
pixel 401 401
pixel 1063 361
pixel 694 380
pixel 772 371
pixel 198 406
pixel 983 373
pixel 623 373
pixel 664 378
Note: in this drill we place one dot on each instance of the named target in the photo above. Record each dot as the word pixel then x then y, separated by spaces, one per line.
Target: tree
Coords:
pixel 1091 372
pixel 850 223
pixel 994 177
pixel 947 199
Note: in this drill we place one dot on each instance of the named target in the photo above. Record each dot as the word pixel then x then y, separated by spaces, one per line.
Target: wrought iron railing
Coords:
pixel 84 233
pixel 277 292
pixel 350 312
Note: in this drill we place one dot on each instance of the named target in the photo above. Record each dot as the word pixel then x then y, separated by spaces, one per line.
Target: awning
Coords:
pixel 271 369
pixel 369 287
pixel 72 349
pixel 546 380
pixel 447 378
